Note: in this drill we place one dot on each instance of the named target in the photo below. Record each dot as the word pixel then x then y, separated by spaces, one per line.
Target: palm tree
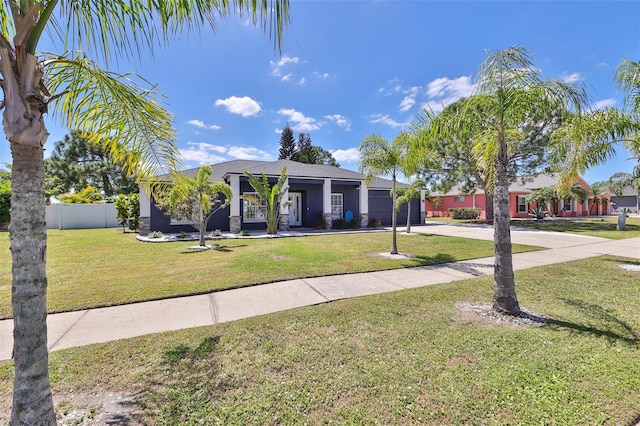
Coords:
pixel 408 194
pixel 378 157
pixel 510 91
pixel 117 109
pixel 269 195
pixel 197 199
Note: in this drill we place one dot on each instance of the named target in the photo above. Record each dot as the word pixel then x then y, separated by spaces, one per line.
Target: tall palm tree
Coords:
pixel 378 157
pixel 510 91
pixel 117 109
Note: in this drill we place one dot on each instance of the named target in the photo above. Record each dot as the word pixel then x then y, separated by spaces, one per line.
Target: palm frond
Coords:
pixel 131 27
pixel 115 110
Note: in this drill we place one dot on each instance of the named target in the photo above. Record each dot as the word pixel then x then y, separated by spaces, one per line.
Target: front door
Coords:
pixel 295 209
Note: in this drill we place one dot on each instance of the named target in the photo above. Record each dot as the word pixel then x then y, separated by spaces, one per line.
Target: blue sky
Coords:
pixel 352 68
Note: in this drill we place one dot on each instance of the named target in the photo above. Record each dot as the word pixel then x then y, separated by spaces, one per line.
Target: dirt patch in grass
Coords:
pixel 479 313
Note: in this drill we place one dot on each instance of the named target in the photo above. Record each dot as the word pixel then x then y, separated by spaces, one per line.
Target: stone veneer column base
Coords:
pixel 235 224
pixel 144 226
pixel 327 220
pixel 284 222
pixel 364 220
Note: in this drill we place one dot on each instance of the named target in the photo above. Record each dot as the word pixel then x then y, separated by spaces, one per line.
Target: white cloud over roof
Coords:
pixel 206 153
pixel 244 106
pixel 299 122
pixel 346 155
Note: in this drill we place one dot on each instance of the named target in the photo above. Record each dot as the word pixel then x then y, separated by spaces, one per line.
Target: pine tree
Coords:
pixel 287 144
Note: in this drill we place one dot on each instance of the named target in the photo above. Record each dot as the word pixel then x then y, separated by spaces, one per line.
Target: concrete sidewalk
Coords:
pixel 85 327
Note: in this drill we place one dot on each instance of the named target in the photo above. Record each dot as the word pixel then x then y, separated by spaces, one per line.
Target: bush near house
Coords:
pixel 465 212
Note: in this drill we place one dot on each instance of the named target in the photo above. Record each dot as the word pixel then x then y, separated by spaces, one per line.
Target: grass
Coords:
pixel 604 227
pixel 407 357
pixel 102 267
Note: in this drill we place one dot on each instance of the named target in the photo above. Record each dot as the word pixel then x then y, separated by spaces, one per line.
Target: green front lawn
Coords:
pixel 405 358
pixel 604 227
pixel 101 267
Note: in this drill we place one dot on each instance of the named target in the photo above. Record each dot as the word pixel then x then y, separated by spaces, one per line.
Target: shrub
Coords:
pixel 134 212
pixel 354 224
pixel 244 233
pixel 155 234
pixel 538 213
pixel 320 223
pixel 339 224
pixel 183 234
pixel 216 234
pixel 374 223
pixel 464 212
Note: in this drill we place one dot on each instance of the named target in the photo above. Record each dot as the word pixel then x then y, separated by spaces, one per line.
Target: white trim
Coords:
pixel 334 207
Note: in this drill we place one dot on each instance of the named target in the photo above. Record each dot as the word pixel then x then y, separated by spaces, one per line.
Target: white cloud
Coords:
pixel 450 88
pixel 285 60
pixel 386 120
pixel 604 103
pixel 248 153
pixel 203 153
pixel 302 81
pixel 571 78
pixel 300 123
pixel 434 106
pixel 202 125
pixel 244 106
pixel 277 66
pixel 407 103
pixel 286 77
pixel 206 153
pixel 323 75
pixel 346 155
pixel 340 120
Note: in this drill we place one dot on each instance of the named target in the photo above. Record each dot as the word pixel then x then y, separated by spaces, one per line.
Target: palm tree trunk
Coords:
pixel 394 243
pixel 32 400
pixel 409 216
pixel 504 288
pixel 488 198
pixel 202 227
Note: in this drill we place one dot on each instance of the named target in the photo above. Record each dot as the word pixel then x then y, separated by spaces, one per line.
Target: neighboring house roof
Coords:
pixel 294 170
pixel 521 185
pixel 627 191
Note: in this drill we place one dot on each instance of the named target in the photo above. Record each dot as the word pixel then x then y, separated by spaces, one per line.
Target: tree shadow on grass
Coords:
pixel 613 328
pixel 432 260
pixel 222 249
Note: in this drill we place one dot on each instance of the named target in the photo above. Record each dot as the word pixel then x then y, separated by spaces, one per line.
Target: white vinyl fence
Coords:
pixel 79 216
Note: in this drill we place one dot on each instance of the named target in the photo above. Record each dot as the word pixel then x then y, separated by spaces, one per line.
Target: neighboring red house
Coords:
pixel 438 204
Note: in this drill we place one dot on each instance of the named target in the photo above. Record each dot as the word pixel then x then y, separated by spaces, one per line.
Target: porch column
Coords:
pixel 144 226
pixel 599 207
pixel 235 223
pixel 561 207
pixel 284 209
pixel 326 202
pixel 423 206
pixel 364 205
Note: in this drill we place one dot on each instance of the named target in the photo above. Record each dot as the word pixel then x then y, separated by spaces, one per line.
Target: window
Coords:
pixel 253 213
pixel 459 199
pixel 522 204
pixel 336 206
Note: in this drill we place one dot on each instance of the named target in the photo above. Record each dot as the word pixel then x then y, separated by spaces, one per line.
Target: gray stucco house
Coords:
pixel 629 199
pixel 316 193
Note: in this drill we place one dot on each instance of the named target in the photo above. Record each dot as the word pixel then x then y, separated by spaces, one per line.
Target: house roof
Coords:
pixel 525 184
pixel 626 191
pixel 294 170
